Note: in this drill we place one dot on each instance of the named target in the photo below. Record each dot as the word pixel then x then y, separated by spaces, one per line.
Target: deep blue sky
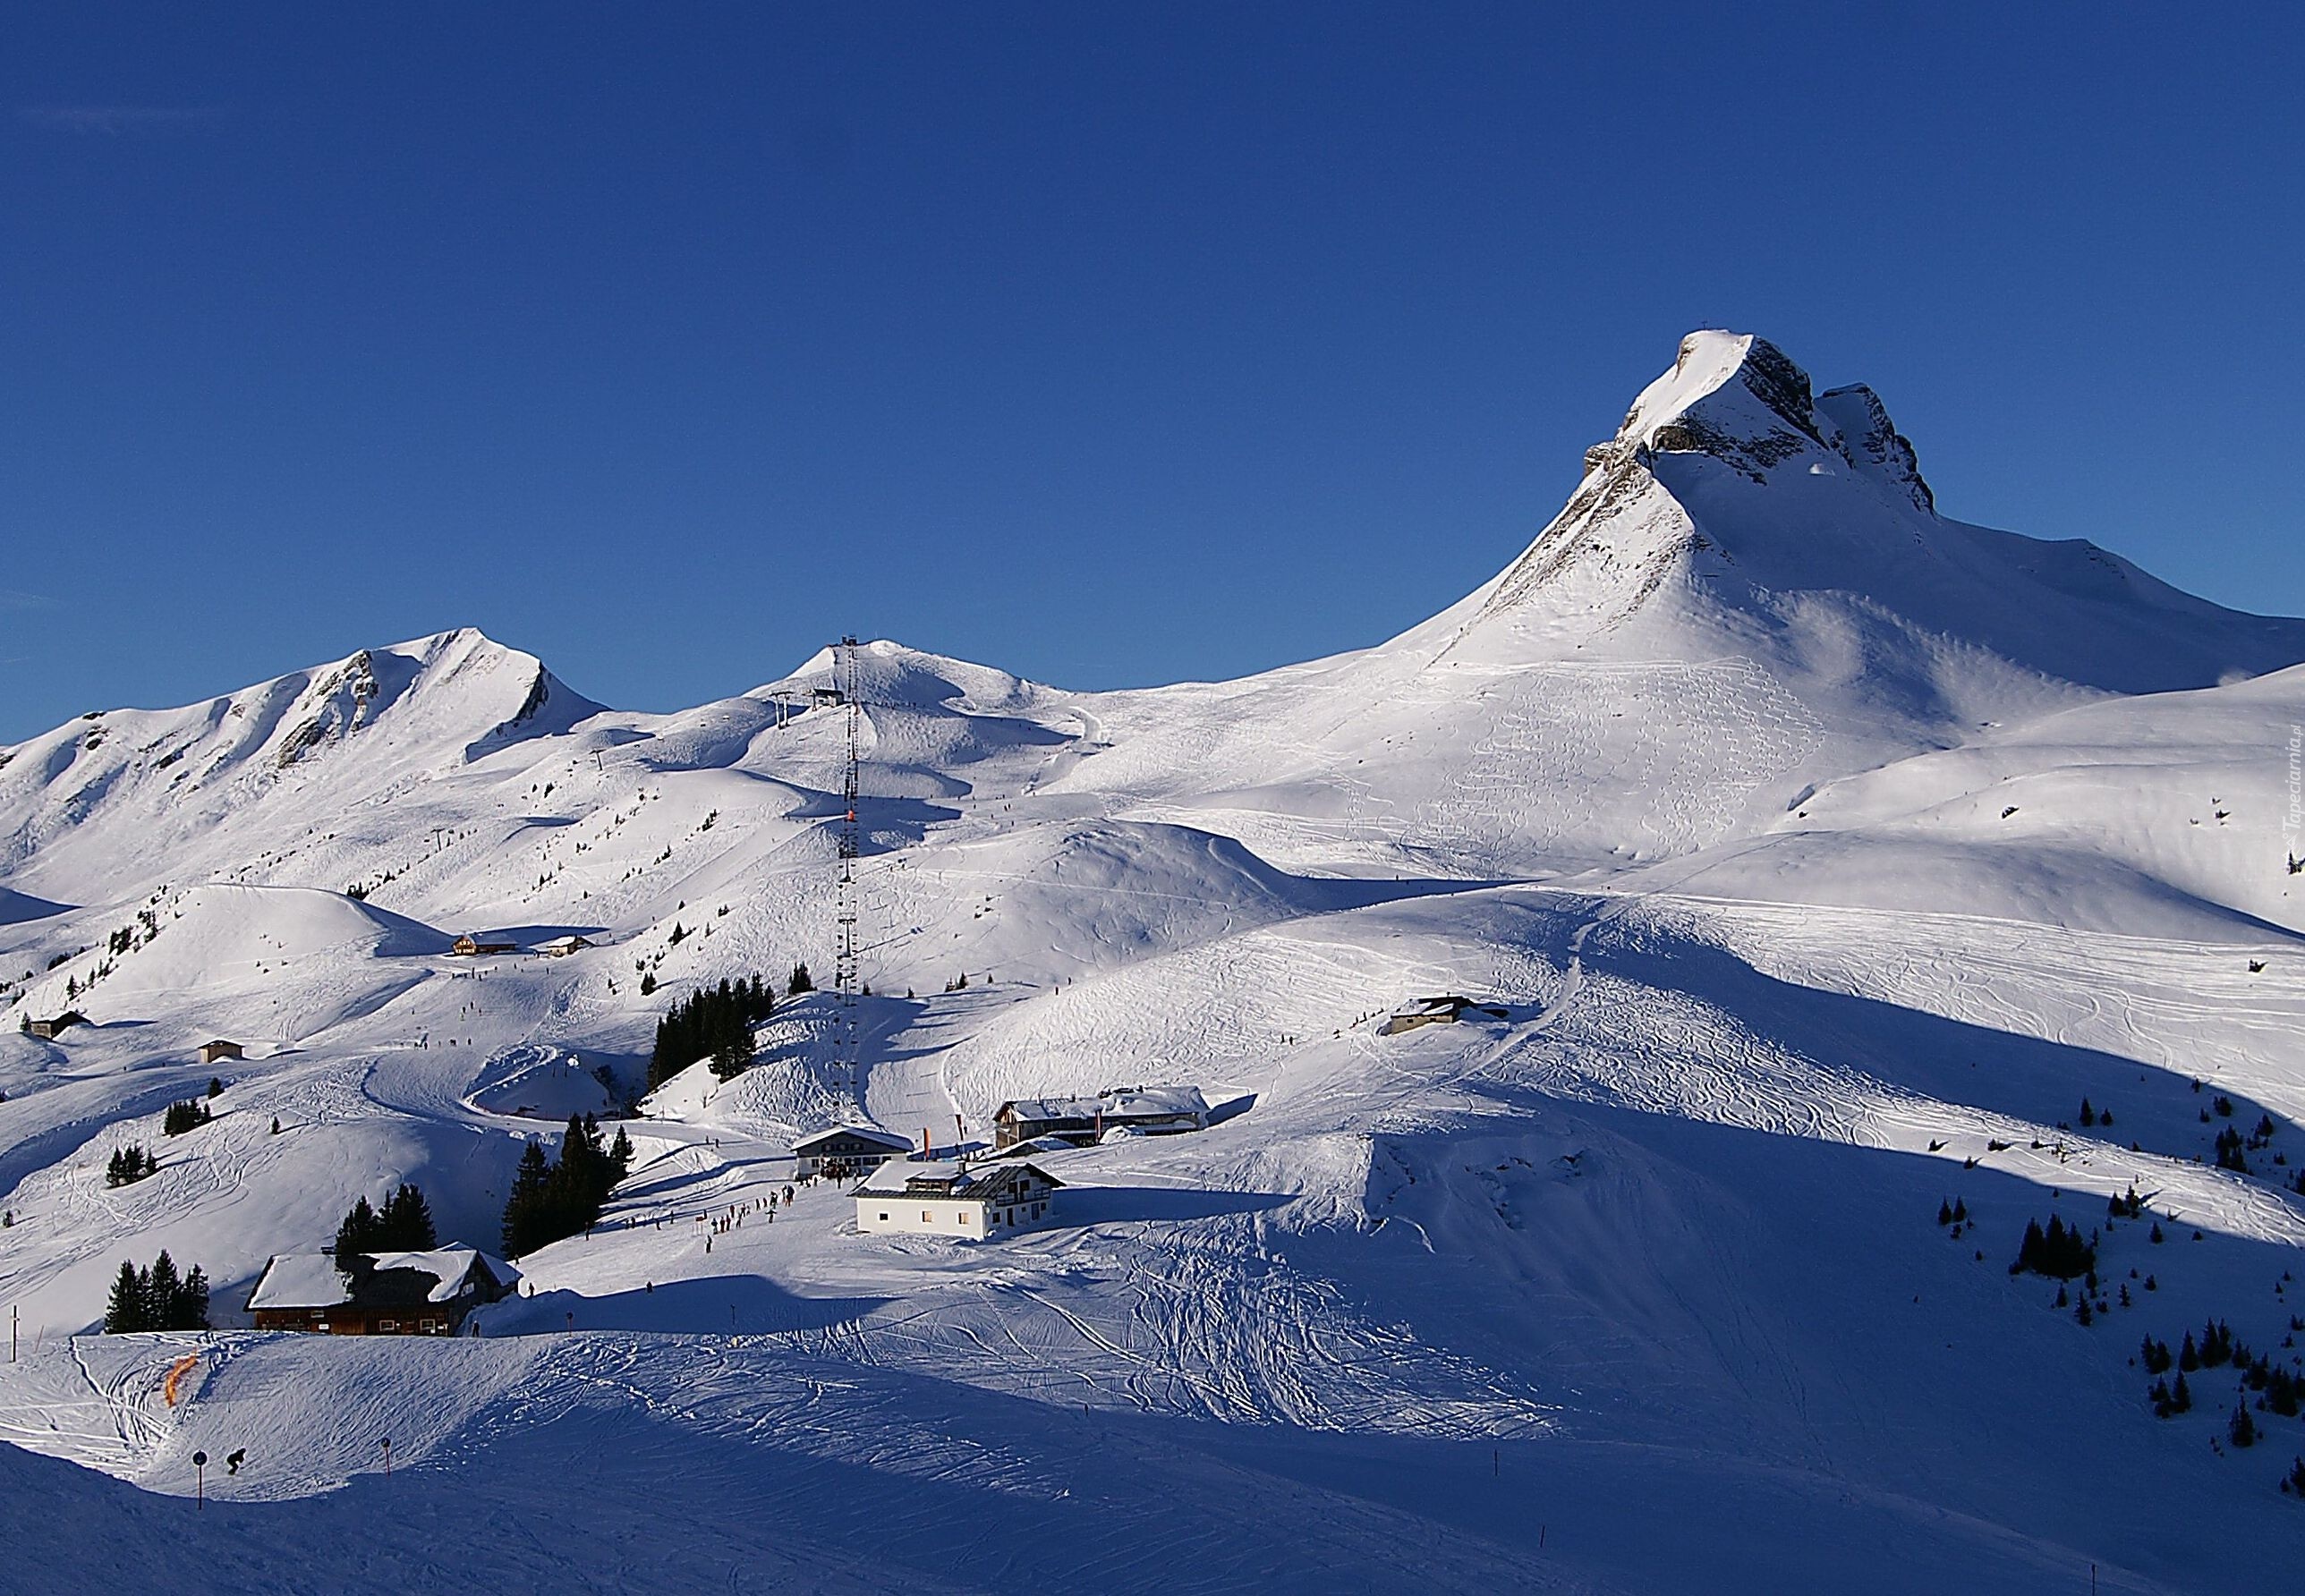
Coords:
pixel 1109 345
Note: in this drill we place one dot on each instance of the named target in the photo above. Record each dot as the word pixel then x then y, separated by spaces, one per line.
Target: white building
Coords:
pixel 972 1201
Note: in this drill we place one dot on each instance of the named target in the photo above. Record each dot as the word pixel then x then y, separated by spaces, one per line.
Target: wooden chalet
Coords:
pixel 560 947
pixel 390 1294
pixel 217 1052
pixel 848 1151
pixel 48 1031
pixel 471 946
pixel 1435 1011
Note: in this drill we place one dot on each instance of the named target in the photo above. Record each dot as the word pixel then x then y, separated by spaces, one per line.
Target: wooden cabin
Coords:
pixel 471 946
pixel 1435 1011
pixel 848 1151
pixel 390 1294
pixel 48 1031
pixel 217 1052
pixel 560 947
pixel 973 1203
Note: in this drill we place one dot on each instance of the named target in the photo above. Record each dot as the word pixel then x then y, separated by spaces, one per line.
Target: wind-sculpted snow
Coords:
pixel 1811 863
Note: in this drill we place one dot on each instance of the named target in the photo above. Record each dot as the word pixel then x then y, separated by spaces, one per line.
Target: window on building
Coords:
pixel 388 1324
pixel 927 1218
pixel 884 1218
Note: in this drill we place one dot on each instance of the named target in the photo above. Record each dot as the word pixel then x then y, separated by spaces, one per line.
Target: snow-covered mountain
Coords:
pixel 1823 855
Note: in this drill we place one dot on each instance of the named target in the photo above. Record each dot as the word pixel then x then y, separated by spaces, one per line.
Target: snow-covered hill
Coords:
pixel 1821 855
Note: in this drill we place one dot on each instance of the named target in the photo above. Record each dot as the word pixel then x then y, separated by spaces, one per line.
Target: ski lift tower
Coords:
pixel 846 976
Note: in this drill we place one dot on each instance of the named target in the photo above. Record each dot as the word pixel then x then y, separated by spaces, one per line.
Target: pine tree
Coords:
pixel 190 1310
pixel 357 1235
pixel 2188 1356
pixel 2243 1431
pixel 2181 1396
pixel 162 1293
pixel 801 981
pixel 522 1206
pixel 1944 1213
pixel 125 1312
pixel 405 1223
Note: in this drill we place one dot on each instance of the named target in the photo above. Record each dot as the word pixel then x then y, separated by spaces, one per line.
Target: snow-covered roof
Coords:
pixel 943 1177
pixel 313 1280
pixel 448 1265
pixel 1119 1102
pixel 1146 1101
pixel 300 1280
pixel 1066 1107
pixel 872 1133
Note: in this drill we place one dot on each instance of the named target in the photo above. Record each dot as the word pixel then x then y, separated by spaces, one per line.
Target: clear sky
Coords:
pixel 1111 344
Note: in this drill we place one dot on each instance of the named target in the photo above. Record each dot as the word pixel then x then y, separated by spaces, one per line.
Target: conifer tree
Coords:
pixel 521 1207
pixel 160 1293
pixel 404 1224
pixel 357 1234
pixel 2242 1430
pixel 125 1312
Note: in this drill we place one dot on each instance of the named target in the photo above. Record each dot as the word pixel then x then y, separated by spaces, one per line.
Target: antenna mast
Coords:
pixel 845 975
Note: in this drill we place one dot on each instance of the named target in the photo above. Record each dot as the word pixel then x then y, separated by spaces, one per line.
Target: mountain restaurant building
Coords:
pixel 1156 1111
pixel 846 1150
pixel 973 1203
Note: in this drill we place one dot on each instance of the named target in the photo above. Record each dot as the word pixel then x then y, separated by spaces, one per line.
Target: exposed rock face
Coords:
pixel 339 705
pixel 1871 442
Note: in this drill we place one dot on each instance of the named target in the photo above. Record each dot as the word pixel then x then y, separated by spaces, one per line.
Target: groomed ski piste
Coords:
pixel 1821 854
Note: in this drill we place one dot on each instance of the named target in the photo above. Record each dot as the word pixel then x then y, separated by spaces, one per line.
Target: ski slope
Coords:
pixel 1822 854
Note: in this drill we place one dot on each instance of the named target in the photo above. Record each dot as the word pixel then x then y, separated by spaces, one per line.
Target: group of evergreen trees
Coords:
pixel 404 1225
pixel 714 1022
pixel 2169 1401
pixel 190 1115
pixel 129 1165
pixel 2056 1251
pixel 562 1197
pixel 157 1299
